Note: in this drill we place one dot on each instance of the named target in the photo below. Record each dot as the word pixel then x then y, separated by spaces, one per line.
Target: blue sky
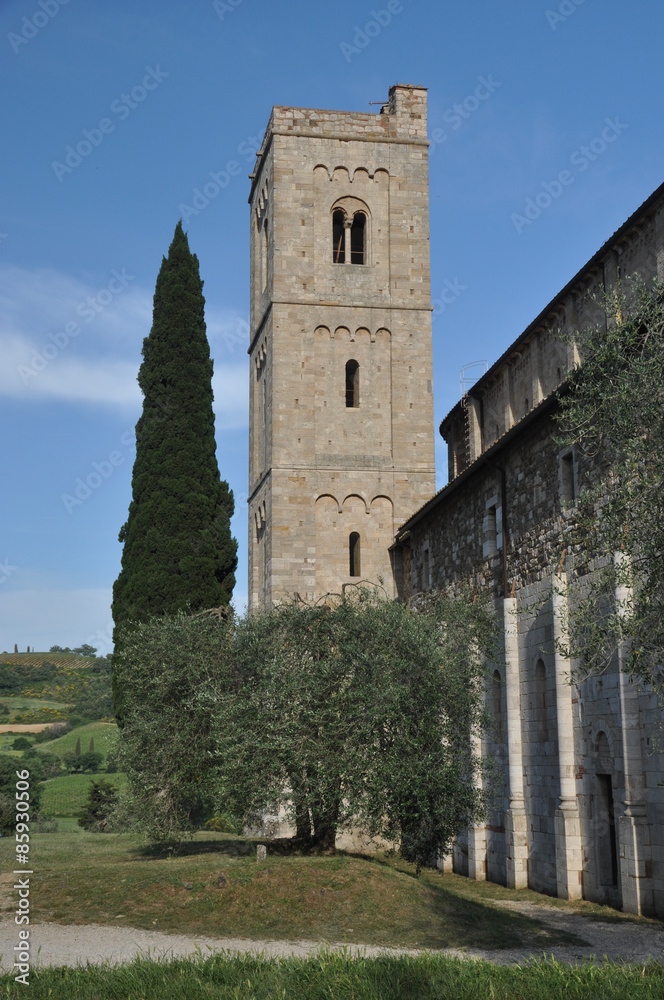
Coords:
pixel 161 94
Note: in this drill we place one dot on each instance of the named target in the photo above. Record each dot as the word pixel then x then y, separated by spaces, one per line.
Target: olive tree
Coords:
pixel 359 712
pixel 172 669
pixel 612 410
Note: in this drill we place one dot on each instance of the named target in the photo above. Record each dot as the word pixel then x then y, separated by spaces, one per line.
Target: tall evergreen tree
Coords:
pixel 178 549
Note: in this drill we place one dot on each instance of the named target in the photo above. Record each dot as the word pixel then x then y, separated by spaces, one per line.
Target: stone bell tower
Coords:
pixel 341 405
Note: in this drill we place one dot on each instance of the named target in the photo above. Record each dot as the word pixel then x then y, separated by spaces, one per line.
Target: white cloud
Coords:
pixel 64 340
pixel 26 375
pixel 231 402
pixel 113 311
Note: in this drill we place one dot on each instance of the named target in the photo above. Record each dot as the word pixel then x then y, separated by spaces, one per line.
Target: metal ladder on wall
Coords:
pixel 465 408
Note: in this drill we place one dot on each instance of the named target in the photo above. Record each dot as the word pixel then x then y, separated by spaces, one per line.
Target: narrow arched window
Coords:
pixel 352 383
pixel 357 238
pixel 338 237
pixel 354 553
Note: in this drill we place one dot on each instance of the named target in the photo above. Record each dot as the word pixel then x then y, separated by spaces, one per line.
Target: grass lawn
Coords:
pixel 216 887
pixel 6 740
pixel 342 978
pixel 66 795
pixel 105 736
pixel 68 824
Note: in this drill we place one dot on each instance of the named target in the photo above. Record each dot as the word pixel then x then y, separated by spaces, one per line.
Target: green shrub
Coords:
pixel 53 732
pixel 101 801
pixel 8 778
pixel 10 680
pixel 21 743
pixel 224 824
pixel 41 764
pixel 78 763
pixel 40 672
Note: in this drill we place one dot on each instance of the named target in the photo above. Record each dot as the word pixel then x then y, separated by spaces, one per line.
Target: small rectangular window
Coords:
pixel 607 855
pixel 567 479
pixel 352 383
pixel 354 553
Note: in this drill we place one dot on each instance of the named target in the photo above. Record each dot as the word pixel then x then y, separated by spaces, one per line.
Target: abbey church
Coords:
pixel 342 481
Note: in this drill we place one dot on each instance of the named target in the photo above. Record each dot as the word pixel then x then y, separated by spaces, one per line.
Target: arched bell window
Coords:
pixel 351 224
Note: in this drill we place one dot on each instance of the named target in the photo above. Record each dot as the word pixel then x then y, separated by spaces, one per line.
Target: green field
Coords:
pixel 66 795
pixel 21 703
pixel 33 710
pixel 105 735
pixel 215 887
pixel 36 659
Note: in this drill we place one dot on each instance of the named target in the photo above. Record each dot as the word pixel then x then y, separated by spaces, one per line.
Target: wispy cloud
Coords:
pixel 67 340
pixel 71 380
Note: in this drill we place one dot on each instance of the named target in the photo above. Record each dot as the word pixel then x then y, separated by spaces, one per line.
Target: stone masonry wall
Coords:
pixel 538 361
pixel 319 468
pixel 536 515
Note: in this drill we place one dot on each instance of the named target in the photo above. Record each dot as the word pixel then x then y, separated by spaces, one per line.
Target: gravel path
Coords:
pixel 57 944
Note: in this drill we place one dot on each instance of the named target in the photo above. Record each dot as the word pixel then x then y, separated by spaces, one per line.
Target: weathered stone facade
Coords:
pixel 341 405
pixel 341 462
pixel 577 803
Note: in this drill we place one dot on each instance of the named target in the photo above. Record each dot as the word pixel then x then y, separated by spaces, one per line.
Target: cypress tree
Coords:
pixel 178 549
